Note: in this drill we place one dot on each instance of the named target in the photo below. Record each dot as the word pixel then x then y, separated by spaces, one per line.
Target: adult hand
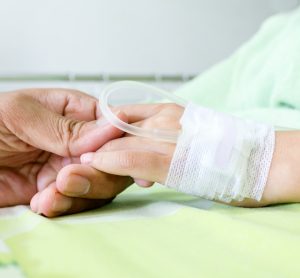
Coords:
pixel 42 134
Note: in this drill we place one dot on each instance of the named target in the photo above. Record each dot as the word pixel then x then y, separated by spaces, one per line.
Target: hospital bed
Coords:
pixel 161 233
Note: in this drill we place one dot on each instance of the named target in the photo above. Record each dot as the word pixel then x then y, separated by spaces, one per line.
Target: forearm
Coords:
pixel 283 184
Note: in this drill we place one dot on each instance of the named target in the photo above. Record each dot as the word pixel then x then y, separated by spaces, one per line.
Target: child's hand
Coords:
pixel 148 161
pixel 143 159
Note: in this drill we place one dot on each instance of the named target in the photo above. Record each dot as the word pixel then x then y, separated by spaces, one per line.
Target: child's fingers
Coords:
pixel 144 165
pixel 138 143
pixel 139 112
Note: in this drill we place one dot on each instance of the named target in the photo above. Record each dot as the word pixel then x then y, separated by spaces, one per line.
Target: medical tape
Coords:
pixel 221 157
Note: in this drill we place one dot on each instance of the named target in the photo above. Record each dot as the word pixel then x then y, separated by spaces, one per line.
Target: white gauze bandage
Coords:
pixel 221 157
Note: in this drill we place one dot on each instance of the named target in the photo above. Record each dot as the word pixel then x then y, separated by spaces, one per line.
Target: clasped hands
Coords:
pixel 60 155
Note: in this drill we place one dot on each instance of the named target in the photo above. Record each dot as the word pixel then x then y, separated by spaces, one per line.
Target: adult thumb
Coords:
pixel 52 132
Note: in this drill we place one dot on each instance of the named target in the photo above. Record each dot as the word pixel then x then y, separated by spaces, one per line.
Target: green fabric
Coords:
pixel 160 233
pixel 261 80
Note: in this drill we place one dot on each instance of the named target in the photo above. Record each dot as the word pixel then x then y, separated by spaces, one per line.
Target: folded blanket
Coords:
pixel 161 233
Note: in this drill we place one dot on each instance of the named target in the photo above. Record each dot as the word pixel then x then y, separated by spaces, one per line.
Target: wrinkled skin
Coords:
pixel 42 134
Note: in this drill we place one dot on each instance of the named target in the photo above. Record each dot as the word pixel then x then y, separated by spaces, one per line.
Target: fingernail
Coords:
pixel 102 122
pixel 78 185
pixel 62 204
pixel 143 183
pixel 87 158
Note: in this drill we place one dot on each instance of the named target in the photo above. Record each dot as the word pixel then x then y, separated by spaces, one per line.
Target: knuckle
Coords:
pixel 149 123
pixel 68 131
pixel 163 120
pixel 173 106
pixel 157 122
pixel 127 160
pixel 167 117
pixel 99 162
pixel 169 107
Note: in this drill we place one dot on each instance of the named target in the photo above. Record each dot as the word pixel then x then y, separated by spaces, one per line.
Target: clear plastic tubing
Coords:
pixel 156 134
